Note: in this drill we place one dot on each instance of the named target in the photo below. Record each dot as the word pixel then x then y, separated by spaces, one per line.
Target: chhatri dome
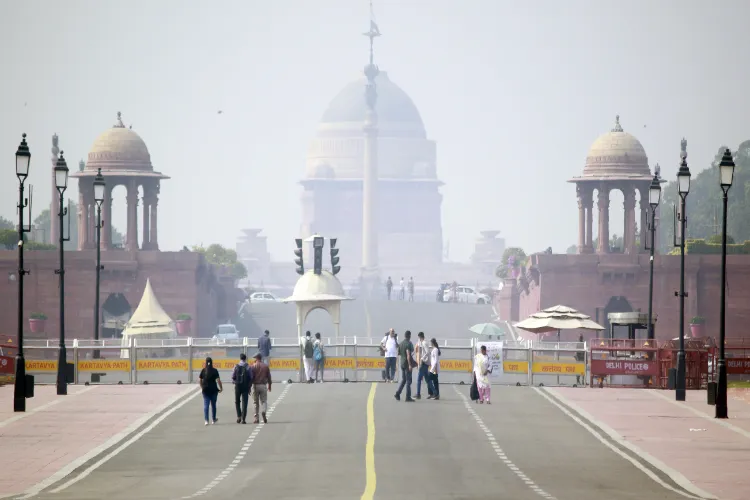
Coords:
pixel 119 148
pixel 616 154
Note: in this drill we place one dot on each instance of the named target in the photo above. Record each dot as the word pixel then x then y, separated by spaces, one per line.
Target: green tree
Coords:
pixel 9 241
pixel 42 226
pixel 221 256
pixel 6 224
pixel 518 257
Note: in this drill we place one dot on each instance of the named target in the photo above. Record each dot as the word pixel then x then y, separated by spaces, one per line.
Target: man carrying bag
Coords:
pixel 242 376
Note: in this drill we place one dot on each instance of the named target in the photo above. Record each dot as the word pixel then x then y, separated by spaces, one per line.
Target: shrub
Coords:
pixel 37 315
pixel 698 320
pixel 183 317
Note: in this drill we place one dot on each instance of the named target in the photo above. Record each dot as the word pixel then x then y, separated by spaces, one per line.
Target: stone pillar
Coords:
pixel 603 204
pixel 581 220
pixel 628 238
pixel 645 235
pixel 153 206
pixel 146 245
pixel 106 243
pixel 83 219
pixel 589 202
pixel 131 243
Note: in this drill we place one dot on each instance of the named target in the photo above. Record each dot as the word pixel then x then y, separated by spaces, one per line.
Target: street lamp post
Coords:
pixel 99 199
pixel 61 182
pixel 726 175
pixel 683 188
pixel 23 160
pixel 654 196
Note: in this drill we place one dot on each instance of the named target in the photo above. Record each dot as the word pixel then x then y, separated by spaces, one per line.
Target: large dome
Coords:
pixel 616 154
pixel 393 104
pixel 119 148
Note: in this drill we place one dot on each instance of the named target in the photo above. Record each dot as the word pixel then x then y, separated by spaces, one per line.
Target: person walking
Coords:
pixel 581 359
pixel 210 387
pixel 401 289
pixel 389 287
pixel 264 347
pixel 319 358
pixel 406 351
pixel 389 344
pixel 308 352
pixel 242 377
pixel 410 287
pixel 261 388
pixel 423 355
pixel 481 372
pixel 433 381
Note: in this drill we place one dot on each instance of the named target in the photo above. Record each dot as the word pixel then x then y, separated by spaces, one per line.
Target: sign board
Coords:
pixel 516 367
pixel 34 365
pixel 558 368
pixel 624 367
pixel 495 355
pixel 104 365
pixel 738 366
pixel 7 365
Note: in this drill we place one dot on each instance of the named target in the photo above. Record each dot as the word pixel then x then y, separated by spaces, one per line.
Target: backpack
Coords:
pixel 242 375
pixel 308 348
pixel 317 353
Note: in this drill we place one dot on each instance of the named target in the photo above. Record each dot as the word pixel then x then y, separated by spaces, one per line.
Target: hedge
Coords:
pixel 703 247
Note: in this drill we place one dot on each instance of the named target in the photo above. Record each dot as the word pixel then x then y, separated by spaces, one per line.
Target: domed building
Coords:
pixel 123 159
pixel 615 161
pixel 409 227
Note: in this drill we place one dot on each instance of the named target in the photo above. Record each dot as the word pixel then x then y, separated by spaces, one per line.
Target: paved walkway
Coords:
pixel 57 433
pixel 712 454
pixel 350 441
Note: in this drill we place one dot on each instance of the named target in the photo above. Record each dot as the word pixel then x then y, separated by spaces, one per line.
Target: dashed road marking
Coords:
pixel 501 454
pixel 240 454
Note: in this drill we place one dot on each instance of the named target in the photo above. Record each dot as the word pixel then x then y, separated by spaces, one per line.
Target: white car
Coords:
pixel 466 294
pixel 264 297
pixel 226 332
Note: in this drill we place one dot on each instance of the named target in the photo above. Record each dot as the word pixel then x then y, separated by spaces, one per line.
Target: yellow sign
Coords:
pixel 371 363
pixel 553 368
pixel 161 364
pixel 339 363
pixel 455 365
pixel 34 365
pixel 515 366
pixel 219 364
pixel 284 364
pixel 105 365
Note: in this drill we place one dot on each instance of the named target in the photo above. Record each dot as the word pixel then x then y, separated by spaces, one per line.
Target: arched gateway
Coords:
pixel 318 291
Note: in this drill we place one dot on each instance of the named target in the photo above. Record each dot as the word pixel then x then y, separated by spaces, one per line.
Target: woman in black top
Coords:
pixel 211 387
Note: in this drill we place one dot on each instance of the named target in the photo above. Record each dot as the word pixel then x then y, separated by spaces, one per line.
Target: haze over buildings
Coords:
pixel 512 95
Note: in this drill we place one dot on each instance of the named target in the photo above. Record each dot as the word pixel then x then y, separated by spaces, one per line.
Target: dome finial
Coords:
pixel 119 123
pixel 371 70
pixel 618 127
pixel 683 148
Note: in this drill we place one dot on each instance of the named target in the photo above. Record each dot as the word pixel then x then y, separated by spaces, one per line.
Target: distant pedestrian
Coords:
pixel 319 358
pixel 210 387
pixel 406 351
pixel 423 358
pixel 264 347
pixel 401 289
pixel 389 287
pixel 261 388
pixel 581 358
pixel 410 287
pixel 432 377
pixel 242 377
pixel 308 352
pixel 389 344
pixel 481 372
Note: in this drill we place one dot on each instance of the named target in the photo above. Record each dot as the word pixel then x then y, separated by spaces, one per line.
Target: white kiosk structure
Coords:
pixel 318 291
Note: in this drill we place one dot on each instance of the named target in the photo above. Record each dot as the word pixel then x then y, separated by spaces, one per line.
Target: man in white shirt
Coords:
pixel 389 345
pixel 422 353
pixel 401 292
pixel 307 351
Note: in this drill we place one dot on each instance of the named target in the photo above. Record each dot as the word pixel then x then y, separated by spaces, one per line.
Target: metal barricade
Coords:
pixel 161 361
pixel 632 363
pixel 558 363
pixel 42 356
pixel 104 361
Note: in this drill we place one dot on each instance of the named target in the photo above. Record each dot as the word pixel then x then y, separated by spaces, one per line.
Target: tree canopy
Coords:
pixel 221 256
pixel 704 203
pixel 42 224
pixel 513 258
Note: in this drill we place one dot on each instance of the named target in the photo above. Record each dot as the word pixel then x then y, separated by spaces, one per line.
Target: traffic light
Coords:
pixel 334 257
pixel 298 253
pixel 318 242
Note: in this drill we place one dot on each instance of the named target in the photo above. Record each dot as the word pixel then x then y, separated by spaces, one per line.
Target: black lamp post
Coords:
pixel 654 196
pixel 683 188
pixel 726 175
pixel 61 182
pixel 99 199
pixel 23 160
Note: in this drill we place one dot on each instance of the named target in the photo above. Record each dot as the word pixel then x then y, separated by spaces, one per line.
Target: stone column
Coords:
pixel 83 218
pixel 131 243
pixel 603 204
pixel 589 201
pixel 154 238
pixel 106 243
pixel 146 245
pixel 645 235
pixel 581 220
pixel 628 238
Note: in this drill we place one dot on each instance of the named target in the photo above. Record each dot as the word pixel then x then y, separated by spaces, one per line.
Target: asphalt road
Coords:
pixel 350 441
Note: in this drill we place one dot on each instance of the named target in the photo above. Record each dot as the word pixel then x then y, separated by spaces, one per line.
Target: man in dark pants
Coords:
pixel 242 377
pixel 423 358
pixel 406 351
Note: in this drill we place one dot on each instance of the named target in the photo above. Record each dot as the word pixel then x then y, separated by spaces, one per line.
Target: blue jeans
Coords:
pixel 433 384
pixel 405 381
pixel 390 368
pixel 209 399
pixel 424 373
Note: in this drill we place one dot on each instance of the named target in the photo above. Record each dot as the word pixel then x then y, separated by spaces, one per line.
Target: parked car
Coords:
pixel 226 332
pixel 466 294
pixel 264 297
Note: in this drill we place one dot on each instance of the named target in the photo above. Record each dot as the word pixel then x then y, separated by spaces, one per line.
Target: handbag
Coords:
pixel 474 391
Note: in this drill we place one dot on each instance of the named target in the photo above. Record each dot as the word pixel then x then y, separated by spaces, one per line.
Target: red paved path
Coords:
pixel 712 456
pixel 57 430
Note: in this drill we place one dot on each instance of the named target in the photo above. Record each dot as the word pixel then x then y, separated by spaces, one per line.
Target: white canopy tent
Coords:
pixel 558 318
pixel 149 321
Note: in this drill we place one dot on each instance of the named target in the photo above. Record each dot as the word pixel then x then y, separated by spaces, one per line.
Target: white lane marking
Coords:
pixel 698 494
pixel 241 454
pixel 72 466
pixel 718 421
pixel 501 454
pixel 45 406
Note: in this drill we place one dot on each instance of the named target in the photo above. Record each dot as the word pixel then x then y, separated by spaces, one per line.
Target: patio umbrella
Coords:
pixel 557 318
pixel 487 329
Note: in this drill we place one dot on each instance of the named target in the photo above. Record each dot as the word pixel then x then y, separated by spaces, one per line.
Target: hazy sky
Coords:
pixel 512 92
